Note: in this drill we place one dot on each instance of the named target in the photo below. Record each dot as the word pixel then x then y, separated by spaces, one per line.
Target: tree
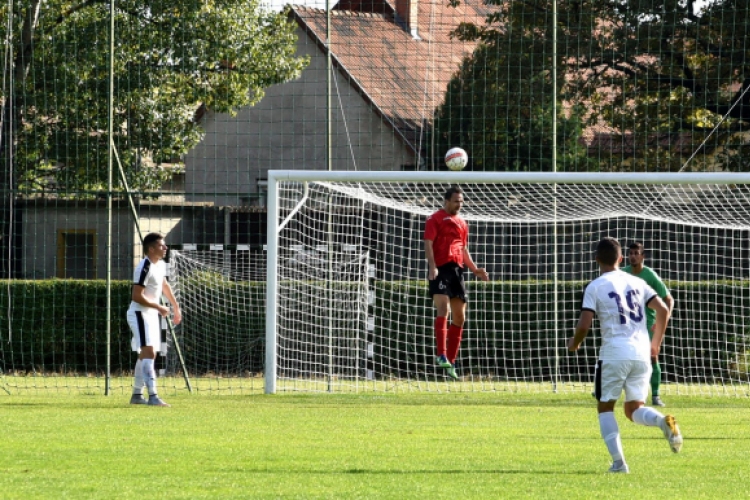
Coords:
pixel 660 76
pixel 171 57
pixel 498 106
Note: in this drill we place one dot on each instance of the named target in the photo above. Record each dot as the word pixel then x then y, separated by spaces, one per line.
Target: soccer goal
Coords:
pixel 347 301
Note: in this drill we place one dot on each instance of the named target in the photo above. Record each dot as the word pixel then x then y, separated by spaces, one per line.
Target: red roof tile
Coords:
pixel 405 78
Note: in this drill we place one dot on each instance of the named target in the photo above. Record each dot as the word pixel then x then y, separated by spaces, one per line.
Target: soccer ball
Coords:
pixel 456 159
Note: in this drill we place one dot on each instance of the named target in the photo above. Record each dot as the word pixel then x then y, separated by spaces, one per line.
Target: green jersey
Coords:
pixel 652 279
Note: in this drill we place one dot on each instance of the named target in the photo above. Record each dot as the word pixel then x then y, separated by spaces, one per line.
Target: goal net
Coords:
pixel 347 301
pixel 221 290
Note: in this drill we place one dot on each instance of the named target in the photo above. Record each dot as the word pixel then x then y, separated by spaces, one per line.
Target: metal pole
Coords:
pixel 555 280
pixel 107 375
pixel 134 213
pixel 329 245
pixel 272 283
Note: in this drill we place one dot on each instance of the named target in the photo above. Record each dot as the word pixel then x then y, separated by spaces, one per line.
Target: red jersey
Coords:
pixel 449 235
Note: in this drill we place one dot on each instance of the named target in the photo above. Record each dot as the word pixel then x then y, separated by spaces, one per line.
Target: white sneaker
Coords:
pixel 656 401
pixel 620 469
pixel 671 431
pixel 156 401
pixel 137 399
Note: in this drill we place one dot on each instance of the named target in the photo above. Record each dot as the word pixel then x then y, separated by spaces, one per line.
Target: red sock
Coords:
pixel 454 341
pixel 441 332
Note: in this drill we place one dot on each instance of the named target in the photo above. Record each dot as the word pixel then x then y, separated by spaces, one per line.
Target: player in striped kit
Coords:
pixel 149 283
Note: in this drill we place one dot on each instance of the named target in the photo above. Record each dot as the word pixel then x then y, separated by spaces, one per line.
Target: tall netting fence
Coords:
pixel 127 117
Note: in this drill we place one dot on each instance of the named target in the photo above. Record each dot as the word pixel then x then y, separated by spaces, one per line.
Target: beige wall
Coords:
pixel 287 130
pixel 42 222
pixel 158 218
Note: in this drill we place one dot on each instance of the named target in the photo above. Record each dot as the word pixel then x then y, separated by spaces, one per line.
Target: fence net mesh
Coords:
pixel 128 117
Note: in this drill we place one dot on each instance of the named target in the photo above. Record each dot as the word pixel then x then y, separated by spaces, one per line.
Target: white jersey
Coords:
pixel 150 275
pixel 620 300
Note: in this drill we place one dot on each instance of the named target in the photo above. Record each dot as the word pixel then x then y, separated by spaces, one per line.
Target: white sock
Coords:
pixel 149 375
pixel 139 383
pixel 611 435
pixel 645 415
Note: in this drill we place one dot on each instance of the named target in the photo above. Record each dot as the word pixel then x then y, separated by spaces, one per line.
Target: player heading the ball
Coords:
pixel 446 237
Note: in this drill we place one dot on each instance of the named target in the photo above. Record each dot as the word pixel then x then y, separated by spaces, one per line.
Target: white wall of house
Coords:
pixel 287 130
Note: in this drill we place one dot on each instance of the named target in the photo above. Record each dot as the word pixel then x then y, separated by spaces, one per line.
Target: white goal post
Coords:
pixel 347 307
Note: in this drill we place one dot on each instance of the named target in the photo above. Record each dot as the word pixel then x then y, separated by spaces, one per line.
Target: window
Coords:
pixel 76 254
pixel 262 192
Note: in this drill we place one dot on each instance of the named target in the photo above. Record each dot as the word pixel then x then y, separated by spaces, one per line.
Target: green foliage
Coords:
pixel 519 328
pixel 215 337
pixel 59 326
pixel 656 75
pixel 498 107
pixel 171 58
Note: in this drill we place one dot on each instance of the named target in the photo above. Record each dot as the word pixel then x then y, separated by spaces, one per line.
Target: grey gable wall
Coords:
pixel 287 130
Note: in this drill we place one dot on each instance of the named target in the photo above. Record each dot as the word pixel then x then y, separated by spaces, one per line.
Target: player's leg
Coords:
pixel 455 331
pixel 151 327
pixel 458 299
pixel 656 383
pixel 442 306
pixel 136 342
pixel 655 376
pixel 138 384
pixel 636 390
pixel 458 311
pixel 439 290
pixel 608 382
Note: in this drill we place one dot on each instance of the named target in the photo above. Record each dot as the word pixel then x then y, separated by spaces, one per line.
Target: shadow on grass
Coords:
pixel 419 471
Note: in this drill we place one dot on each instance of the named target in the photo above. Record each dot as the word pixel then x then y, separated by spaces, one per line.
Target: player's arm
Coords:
pixel 662 315
pixel 138 295
pixel 429 253
pixel 479 272
pixel 167 291
pixel 582 329
pixel 430 233
pixel 660 288
pixel 669 301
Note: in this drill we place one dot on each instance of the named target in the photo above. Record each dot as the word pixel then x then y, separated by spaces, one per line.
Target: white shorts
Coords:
pixel 612 377
pixel 146 328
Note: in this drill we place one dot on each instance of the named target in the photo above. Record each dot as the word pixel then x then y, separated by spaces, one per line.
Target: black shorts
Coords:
pixel 449 281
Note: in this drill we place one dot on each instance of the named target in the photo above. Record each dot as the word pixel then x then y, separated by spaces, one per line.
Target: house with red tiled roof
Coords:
pixel 391 65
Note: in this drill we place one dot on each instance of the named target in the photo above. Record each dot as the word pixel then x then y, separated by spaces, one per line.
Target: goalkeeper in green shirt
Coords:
pixel 636 268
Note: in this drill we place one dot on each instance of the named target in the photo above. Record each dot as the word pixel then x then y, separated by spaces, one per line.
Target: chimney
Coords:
pixel 408 11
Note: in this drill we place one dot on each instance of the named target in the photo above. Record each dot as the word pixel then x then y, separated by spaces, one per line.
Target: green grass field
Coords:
pixel 398 446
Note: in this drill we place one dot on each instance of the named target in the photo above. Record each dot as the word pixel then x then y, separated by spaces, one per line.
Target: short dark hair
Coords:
pixel 608 251
pixel 451 191
pixel 150 239
pixel 637 245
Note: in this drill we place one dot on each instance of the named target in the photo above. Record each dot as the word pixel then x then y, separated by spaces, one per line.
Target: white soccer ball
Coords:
pixel 456 159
